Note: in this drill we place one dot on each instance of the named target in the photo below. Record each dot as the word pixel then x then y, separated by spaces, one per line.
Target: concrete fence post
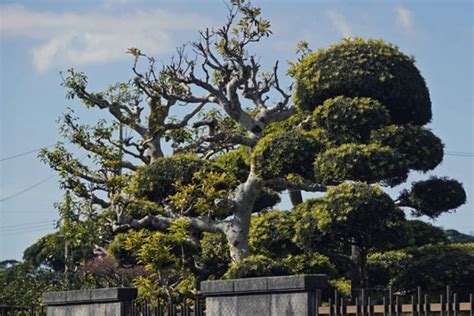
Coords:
pixel 266 296
pixel 104 302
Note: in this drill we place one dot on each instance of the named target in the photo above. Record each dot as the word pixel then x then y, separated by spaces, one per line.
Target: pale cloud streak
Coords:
pixel 405 20
pixel 340 23
pixel 72 39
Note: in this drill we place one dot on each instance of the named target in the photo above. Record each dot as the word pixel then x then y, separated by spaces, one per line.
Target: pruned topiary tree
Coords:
pixel 195 148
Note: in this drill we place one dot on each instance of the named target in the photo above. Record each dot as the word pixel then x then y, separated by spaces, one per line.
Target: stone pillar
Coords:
pixel 105 302
pixel 266 296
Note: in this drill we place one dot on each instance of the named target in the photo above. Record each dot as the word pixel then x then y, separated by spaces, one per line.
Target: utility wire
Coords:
pixel 26 224
pixel 20 229
pixel 459 154
pixel 25 153
pixel 28 188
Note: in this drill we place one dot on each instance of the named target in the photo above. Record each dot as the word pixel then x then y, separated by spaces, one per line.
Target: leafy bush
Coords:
pixel 256 266
pixel 434 196
pixel 359 162
pixel 156 181
pixel 281 154
pixel 235 162
pixel 420 147
pixel 364 68
pixel 356 212
pixel 350 120
pixel 431 267
pixel 271 233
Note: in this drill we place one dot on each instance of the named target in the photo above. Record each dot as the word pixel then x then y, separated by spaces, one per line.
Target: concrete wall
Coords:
pixel 267 296
pixel 106 302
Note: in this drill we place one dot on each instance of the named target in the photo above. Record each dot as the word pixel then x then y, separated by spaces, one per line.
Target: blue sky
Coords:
pixel 41 38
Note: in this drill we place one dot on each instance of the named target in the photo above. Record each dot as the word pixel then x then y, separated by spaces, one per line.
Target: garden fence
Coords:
pixel 387 304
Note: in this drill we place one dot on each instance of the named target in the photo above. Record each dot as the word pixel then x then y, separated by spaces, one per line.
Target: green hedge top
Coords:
pixel 364 68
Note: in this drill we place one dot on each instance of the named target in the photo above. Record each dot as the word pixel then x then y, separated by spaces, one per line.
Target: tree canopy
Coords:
pixel 184 175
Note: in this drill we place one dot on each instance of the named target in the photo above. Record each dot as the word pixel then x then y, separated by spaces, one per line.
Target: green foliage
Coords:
pixel 307 234
pixel 349 120
pixel 421 148
pixel 464 247
pixel 256 266
pixel 341 285
pixel 432 267
pixel 23 285
pixel 157 180
pixel 271 234
pixel 118 249
pixel 203 194
pixel 165 257
pixel 364 68
pixel 458 237
pixel 48 251
pixel 359 162
pixel 235 162
pixel 289 125
pixel 383 266
pixel 434 196
pixel 416 233
pixel 357 213
pixel 281 154
pixel 310 263
pixel 214 257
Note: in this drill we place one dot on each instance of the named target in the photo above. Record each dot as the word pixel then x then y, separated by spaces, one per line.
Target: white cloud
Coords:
pixel 340 23
pixel 71 39
pixel 404 19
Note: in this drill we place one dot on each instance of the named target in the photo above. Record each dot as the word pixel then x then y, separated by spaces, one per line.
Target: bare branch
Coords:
pixel 284 184
pixel 160 222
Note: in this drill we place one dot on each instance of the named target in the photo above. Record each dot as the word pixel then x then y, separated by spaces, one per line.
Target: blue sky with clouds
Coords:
pixel 41 38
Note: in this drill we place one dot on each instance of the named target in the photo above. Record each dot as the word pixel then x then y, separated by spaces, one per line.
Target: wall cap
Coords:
pixel 277 284
pixel 114 294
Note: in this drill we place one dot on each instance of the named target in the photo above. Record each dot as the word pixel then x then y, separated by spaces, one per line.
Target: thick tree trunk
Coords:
pixel 237 232
pixel 238 241
pixel 359 270
pixel 154 150
pixel 295 197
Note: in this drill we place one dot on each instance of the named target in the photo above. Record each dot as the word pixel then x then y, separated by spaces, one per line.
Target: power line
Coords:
pixel 34 185
pixel 459 153
pixel 30 230
pixel 26 153
pixel 26 224
pixel 19 229
pixel 28 188
pixel 27 211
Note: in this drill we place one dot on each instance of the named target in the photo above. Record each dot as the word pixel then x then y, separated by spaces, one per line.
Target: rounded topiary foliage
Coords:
pixel 307 235
pixel 349 120
pixel 256 266
pixel 358 212
pixel 364 68
pixel 422 149
pixel 434 196
pixel 271 233
pixel 235 162
pixel 310 263
pixel 156 181
pixel 280 154
pixel 359 162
